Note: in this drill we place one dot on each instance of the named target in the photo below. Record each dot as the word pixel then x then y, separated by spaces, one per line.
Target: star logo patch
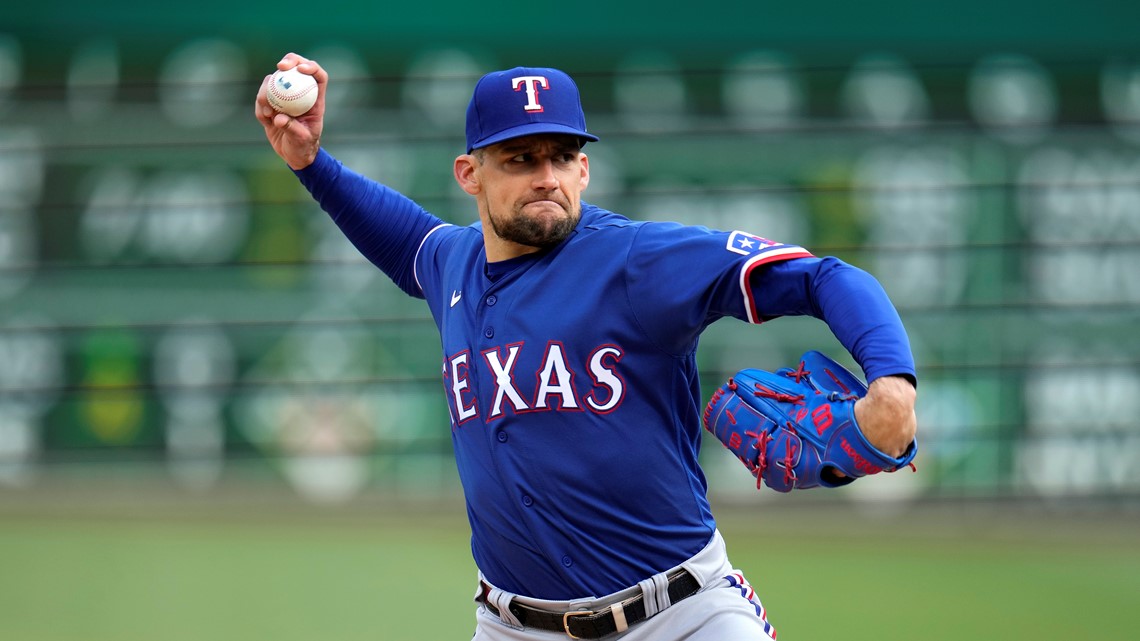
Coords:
pixel 744 243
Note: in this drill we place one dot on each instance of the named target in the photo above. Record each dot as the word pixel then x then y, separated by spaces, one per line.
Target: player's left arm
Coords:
pixel 858 311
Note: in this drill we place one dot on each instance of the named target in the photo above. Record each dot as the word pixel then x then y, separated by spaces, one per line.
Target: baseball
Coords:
pixel 292 92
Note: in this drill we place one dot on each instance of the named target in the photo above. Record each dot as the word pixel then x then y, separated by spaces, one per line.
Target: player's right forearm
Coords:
pixel 386 226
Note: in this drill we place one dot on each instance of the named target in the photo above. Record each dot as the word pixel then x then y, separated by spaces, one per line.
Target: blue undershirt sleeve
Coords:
pixel 384 225
pixel 851 302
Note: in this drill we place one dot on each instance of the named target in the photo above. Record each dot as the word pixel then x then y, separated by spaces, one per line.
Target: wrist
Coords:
pixel 886 415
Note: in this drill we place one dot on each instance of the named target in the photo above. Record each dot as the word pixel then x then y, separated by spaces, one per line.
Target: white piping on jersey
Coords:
pixel 783 253
pixel 416 258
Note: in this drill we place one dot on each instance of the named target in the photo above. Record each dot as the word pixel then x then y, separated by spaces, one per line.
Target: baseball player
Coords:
pixel 569 336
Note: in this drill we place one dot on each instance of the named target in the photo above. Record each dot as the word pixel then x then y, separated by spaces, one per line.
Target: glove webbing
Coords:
pixel 790 455
pixel 763 438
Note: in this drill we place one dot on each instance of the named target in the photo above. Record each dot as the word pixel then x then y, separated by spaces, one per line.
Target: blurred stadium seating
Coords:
pixel 174 308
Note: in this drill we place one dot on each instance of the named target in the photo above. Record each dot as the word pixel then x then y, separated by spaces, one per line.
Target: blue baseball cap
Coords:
pixel 521 102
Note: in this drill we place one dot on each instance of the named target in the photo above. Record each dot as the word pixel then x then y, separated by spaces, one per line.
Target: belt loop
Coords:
pixel 655 594
pixel 618 610
pixel 662 583
pixel 502 602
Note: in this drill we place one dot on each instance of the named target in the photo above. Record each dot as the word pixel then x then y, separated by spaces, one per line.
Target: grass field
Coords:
pixel 247 572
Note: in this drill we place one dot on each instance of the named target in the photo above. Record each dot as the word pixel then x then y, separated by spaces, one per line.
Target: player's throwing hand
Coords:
pixel 295 139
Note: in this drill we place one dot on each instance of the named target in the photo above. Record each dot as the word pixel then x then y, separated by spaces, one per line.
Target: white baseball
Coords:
pixel 292 92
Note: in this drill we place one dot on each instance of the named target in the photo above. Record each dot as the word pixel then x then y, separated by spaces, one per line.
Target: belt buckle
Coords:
pixel 566 621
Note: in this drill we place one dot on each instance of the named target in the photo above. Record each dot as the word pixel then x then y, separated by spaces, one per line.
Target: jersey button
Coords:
pixel 567 561
pixel 489 331
pixel 492 299
pixel 502 436
pixel 527 501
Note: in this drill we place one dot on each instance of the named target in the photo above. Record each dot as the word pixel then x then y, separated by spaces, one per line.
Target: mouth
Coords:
pixel 543 203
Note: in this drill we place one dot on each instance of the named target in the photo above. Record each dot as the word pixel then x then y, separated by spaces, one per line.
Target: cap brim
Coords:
pixel 532 129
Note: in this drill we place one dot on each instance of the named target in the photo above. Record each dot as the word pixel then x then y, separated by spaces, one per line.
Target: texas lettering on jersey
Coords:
pixel 556 385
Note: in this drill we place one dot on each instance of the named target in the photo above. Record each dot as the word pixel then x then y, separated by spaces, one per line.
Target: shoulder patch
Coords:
pixel 746 244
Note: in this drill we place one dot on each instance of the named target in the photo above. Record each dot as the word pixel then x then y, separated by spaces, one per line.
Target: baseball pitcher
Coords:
pixel 568 352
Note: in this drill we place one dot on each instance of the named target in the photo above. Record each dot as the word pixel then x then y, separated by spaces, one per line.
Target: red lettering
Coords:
pixel 861 464
pixel 821 417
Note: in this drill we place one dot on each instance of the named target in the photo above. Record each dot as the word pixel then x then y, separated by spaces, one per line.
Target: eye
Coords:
pixel 521 158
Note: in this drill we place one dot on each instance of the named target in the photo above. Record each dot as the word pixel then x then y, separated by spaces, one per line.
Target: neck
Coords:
pixel 498 249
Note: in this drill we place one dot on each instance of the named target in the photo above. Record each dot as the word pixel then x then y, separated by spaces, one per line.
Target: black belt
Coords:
pixel 595 625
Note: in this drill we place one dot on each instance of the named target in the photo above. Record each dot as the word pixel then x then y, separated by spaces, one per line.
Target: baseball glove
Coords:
pixel 794 429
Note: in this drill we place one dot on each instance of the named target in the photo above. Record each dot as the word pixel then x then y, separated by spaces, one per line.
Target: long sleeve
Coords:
pixel 386 226
pixel 851 302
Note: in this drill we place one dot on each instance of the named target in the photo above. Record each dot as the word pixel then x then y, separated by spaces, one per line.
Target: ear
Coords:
pixel 585 180
pixel 466 175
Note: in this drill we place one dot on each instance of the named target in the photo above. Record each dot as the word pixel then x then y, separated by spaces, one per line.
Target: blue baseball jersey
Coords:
pixel 571 374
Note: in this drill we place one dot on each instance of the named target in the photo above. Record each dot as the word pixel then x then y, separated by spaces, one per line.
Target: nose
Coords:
pixel 544 177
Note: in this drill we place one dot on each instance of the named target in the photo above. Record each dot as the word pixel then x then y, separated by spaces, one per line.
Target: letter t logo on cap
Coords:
pixel 532 84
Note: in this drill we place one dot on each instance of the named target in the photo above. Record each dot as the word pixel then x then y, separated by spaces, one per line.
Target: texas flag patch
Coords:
pixel 745 244
pixel 760 251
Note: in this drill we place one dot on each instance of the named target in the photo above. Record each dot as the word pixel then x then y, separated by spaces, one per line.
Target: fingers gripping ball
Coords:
pixel 291 92
pixel 794 429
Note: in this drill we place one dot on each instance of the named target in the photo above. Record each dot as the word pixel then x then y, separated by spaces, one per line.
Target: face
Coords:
pixel 528 190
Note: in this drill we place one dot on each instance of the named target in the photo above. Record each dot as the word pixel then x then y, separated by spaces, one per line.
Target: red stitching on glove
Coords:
pixel 838 382
pixel 789 463
pixel 761 446
pixel 799 373
pixel 789 459
pixel 764 392
pixel 713 401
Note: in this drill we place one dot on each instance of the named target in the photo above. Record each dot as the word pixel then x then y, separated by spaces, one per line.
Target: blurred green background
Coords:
pixel 218 421
pixel 203 572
